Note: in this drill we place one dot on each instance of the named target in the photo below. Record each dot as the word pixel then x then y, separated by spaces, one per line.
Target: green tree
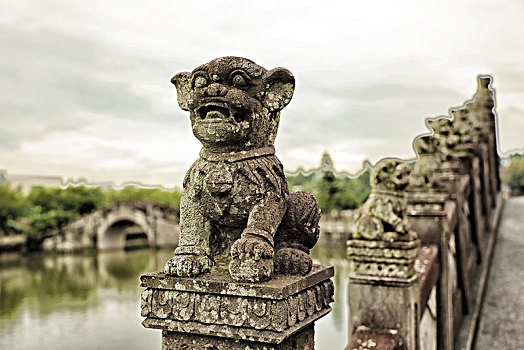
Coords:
pixel 77 199
pixel 513 174
pixel 13 206
pixel 54 207
pixel 333 192
pixel 130 193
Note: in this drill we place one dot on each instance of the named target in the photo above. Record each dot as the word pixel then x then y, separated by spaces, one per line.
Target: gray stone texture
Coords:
pixel 236 199
pixel 213 308
pixel 434 217
pixel 303 340
pixel 383 216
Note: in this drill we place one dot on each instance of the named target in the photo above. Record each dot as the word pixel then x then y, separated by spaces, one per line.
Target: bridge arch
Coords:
pixel 111 234
pixel 105 229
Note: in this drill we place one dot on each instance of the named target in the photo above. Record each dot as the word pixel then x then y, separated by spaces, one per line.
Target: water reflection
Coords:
pixel 331 331
pixel 91 301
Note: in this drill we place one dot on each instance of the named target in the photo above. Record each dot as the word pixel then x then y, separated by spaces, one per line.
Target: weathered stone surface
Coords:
pixel 379 258
pixel 303 340
pixel 430 159
pixel 424 200
pixel 265 312
pixel 438 227
pixel 236 196
pixel 385 309
pixel 385 303
pixel 257 313
pixel 382 216
pixel 220 282
pixel 427 269
pixel 366 338
pixel 450 200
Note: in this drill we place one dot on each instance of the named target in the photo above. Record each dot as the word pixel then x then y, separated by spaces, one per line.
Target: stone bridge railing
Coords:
pixel 415 293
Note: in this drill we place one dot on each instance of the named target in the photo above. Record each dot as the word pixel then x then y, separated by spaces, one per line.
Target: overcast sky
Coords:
pixel 85 85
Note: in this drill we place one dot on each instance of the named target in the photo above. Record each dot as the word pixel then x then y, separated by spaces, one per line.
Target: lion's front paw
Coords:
pixel 252 260
pixel 390 236
pixel 292 261
pixel 188 265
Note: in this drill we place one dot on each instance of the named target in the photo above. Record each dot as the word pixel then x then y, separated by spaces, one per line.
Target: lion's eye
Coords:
pixel 239 81
pixel 200 81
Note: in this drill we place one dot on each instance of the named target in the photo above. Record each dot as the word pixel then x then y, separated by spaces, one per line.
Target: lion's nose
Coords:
pixel 215 90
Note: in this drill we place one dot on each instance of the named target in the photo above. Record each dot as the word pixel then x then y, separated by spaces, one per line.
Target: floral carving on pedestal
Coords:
pixel 248 312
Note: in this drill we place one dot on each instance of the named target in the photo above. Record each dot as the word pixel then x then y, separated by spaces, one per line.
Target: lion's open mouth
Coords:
pixel 212 111
pixel 218 113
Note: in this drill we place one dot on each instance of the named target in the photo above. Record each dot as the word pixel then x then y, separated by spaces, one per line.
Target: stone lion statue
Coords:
pixel 382 216
pixel 429 162
pixel 236 199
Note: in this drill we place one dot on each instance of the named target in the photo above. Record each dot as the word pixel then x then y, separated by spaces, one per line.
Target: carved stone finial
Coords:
pixel 447 131
pixel 429 161
pixel 469 135
pixel 480 108
pixel 382 216
pixel 236 199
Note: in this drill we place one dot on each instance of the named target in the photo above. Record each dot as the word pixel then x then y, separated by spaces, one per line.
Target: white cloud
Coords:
pixel 85 85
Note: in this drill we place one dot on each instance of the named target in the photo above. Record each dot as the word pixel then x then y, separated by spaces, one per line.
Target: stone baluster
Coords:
pixel 383 290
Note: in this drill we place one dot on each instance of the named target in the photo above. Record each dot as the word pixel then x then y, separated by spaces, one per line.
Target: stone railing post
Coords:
pixel 383 291
pixel 241 277
pixel 215 312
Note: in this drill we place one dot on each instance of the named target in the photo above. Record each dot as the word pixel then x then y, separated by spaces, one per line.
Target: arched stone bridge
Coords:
pixel 110 228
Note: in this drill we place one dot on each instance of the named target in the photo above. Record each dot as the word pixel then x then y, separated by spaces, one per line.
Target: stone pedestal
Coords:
pixel 383 291
pixel 212 311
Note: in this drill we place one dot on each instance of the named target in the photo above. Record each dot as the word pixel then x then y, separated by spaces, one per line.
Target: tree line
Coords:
pixel 45 208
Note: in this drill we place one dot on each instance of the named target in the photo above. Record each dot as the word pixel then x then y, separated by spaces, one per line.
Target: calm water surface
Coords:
pixel 91 301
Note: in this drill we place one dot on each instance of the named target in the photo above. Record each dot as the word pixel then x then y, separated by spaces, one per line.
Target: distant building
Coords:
pixel 26 182
pixel 326 165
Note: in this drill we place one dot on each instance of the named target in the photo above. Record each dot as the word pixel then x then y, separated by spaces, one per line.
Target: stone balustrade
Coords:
pixel 452 203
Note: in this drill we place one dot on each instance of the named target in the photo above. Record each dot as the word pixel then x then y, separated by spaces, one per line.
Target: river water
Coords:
pixel 91 301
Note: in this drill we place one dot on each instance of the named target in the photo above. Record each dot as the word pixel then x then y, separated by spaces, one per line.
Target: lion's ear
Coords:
pixel 279 86
pixel 182 81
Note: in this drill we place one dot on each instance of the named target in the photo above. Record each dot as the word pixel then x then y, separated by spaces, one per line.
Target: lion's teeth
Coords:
pixel 214 115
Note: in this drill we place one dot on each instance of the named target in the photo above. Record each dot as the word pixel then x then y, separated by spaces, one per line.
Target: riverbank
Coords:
pixel 14 243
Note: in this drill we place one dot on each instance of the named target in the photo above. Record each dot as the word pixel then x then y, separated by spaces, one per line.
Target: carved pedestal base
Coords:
pixel 213 311
pixel 384 259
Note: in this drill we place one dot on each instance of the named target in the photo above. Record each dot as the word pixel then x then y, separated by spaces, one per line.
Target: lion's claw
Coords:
pixel 188 265
pixel 292 261
pixel 252 259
